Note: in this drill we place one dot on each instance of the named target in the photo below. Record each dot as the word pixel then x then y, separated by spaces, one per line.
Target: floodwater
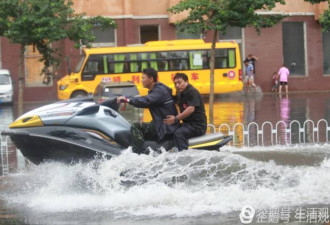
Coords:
pixel 276 184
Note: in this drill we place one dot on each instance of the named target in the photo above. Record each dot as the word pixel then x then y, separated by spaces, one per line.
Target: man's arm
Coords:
pixel 193 101
pixel 155 97
pixel 172 119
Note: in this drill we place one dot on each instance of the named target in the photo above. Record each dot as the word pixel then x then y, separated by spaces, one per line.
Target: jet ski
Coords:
pixel 80 129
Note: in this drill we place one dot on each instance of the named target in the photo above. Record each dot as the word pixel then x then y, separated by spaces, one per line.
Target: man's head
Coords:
pixel 149 78
pixel 180 81
pixel 246 62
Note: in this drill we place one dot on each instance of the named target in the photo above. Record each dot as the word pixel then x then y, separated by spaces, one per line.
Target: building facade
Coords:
pixel 298 41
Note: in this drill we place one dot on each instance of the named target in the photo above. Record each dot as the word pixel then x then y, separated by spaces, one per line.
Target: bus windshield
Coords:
pixel 80 64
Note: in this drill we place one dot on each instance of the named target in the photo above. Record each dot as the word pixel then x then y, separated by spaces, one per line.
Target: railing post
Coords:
pixel 4 155
pixel 309 121
pixel 229 132
pixel 271 135
pixel 276 126
pixel 244 132
pixel 212 127
pixel 318 130
pixel 292 122
pixel 248 129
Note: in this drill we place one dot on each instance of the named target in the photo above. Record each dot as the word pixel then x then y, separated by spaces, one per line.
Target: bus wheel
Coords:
pixel 78 94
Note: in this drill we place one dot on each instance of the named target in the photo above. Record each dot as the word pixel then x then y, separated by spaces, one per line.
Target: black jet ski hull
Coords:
pixel 64 144
pixel 67 144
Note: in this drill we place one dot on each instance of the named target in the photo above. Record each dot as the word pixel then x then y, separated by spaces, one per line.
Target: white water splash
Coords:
pixel 190 183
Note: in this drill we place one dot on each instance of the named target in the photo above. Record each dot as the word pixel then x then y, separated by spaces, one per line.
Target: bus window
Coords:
pixel 134 67
pixel 105 64
pixel 148 60
pixel 206 61
pixel 196 59
pixel 153 62
pixel 144 60
pixel 79 65
pixel 111 65
pixel 162 61
pixel 221 62
pixel 119 66
pixel 231 54
pixel 178 60
pixel 94 65
pixel 225 58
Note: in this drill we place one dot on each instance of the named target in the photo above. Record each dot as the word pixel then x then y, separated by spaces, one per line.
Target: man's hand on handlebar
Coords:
pixel 121 99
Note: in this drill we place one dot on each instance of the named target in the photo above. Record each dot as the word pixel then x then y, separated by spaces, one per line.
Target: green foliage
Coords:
pixel 325 17
pixel 325 20
pixel 42 22
pixel 219 14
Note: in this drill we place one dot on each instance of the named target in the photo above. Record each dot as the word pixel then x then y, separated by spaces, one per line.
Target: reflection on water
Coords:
pixel 285 108
pixel 285 116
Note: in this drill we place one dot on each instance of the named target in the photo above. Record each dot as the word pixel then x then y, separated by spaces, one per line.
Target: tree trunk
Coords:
pixel 21 80
pixel 212 62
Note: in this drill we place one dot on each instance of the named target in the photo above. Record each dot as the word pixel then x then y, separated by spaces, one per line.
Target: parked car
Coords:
pixel 106 90
pixel 6 87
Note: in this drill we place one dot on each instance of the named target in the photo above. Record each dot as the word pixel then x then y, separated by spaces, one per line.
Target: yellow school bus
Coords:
pixel 192 57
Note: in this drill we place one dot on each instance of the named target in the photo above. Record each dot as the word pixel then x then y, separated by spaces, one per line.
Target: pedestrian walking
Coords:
pixel 249 76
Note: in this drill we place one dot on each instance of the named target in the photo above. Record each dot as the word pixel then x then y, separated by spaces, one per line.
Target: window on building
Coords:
pixel 104 37
pixel 232 33
pixel 294 47
pixel 181 34
pixel 149 33
pixel 326 52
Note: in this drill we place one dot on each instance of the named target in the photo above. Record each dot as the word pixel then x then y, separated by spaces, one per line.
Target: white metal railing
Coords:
pixel 4 155
pixel 282 132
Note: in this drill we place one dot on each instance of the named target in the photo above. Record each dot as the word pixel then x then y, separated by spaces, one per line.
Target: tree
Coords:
pixel 40 23
pixel 218 15
pixel 325 17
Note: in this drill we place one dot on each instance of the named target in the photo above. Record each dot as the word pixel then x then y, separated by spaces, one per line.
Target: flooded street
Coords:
pixel 284 184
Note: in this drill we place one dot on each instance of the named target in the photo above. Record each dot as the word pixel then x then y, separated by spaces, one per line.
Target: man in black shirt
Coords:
pixel 192 113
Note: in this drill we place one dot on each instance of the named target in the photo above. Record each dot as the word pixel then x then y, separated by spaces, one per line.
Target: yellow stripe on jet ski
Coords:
pixel 205 144
pixel 30 121
pixel 98 133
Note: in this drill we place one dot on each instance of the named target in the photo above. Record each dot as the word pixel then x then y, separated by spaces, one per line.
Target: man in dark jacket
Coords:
pixel 192 113
pixel 160 103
